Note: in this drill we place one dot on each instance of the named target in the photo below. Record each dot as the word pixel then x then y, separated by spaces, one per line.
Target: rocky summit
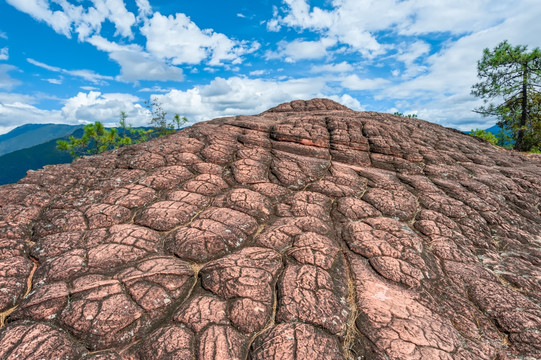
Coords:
pixel 310 231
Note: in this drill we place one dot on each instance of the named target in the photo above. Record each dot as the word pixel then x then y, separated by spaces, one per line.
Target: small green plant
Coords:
pixel 180 120
pixel 158 120
pixel 96 139
pixel 124 126
pixel 411 116
pixel 485 135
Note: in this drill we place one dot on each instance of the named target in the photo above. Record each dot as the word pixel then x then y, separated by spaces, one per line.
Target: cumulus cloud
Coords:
pixel 241 95
pixel 145 10
pixel 442 92
pixel 84 21
pixel 19 109
pixel 349 101
pixel 95 106
pixel 179 39
pixel 135 63
pixel 360 23
pixel 170 40
pixel 341 24
pixel 40 10
pixel 4 53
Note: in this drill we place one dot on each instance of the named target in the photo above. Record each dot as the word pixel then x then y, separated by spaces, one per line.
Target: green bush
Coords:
pixel 490 137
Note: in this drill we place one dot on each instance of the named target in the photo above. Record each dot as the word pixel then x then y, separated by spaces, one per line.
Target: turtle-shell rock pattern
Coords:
pixel 310 231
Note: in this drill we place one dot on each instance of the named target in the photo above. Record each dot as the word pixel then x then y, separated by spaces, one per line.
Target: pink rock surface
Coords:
pixel 310 231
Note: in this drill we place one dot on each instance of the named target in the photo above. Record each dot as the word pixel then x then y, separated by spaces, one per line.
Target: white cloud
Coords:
pixel 357 22
pixel 145 10
pixel 95 106
pixel 171 40
pixel 347 23
pixel 412 56
pixel 353 82
pixel 4 53
pixel 6 81
pixel 241 15
pixel 442 93
pixel 411 52
pixel 258 72
pixel 11 97
pixel 135 63
pixel 180 40
pixel 84 21
pixel 302 50
pixel 342 67
pixel 349 101
pixel 14 113
pixel 54 81
pixel 87 75
pixel 40 10
pixel 240 95
pixel 17 109
pixel 154 89
pixel 3 35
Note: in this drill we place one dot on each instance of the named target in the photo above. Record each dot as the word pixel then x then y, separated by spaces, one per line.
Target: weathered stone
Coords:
pixel 201 311
pixel 248 273
pixel 216 232
pixel 310 231
pixel 35 341
pixel 222 342
pixel 131 196
pixel 296 341
pixel 13 280
pixel 171 342
pixel 310 294
pixel 101 314
pixel 166 178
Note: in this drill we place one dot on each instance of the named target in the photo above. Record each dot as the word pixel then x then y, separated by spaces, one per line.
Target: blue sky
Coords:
pixel 77 61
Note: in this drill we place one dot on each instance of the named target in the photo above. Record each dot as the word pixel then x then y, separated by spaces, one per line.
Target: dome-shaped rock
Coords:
pixel 310 231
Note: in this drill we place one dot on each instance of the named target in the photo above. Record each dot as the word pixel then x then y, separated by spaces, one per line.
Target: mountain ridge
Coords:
pixel 29 135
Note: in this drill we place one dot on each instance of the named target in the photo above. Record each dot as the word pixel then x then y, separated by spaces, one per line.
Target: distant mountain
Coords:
pixel 15 164
pixel 29 135
pixel 494 129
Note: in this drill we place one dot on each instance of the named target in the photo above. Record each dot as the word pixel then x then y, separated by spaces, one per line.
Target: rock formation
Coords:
pixel 310 231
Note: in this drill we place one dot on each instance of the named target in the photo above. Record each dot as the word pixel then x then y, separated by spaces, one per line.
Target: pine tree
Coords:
pixel 512 77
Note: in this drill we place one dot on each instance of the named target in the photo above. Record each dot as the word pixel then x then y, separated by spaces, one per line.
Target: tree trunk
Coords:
pixel 519 144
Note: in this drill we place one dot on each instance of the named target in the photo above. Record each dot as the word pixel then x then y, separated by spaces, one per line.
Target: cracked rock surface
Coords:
pixel 310 231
